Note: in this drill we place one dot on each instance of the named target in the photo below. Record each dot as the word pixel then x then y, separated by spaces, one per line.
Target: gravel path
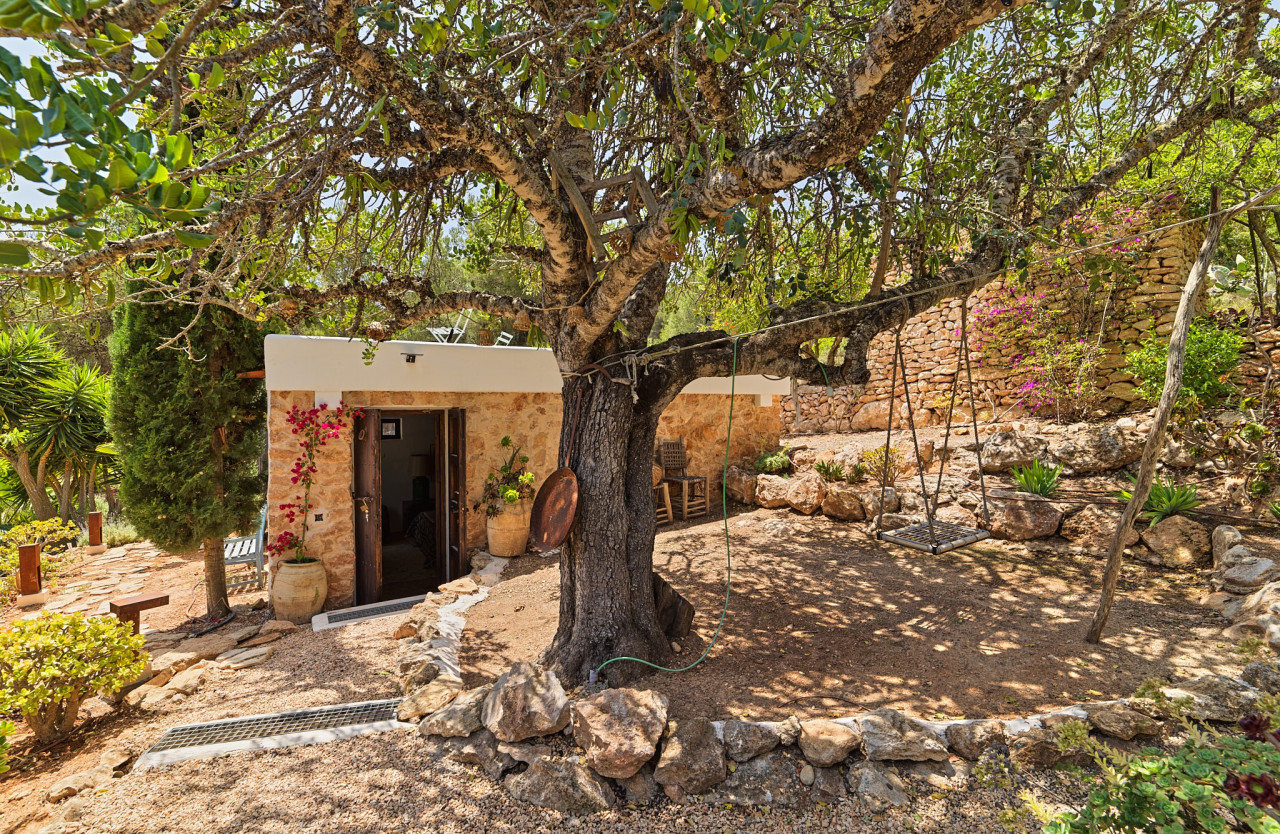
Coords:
pixel 386 783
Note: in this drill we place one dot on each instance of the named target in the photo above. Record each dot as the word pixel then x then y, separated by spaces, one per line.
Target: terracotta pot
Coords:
pixel 509 530
pixel 298 591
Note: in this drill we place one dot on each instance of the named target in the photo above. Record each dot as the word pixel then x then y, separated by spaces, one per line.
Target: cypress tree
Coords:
pixel 189 433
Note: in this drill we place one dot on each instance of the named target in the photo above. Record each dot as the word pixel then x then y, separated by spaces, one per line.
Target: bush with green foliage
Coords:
pixel 1037 478
pixel 7 729
pixel 774 463
pixel 50 664
pixel 830 471
pixel 1166 499
pixel 1214 781
pixel 874 463
pixel 1213 352
pixel 53 536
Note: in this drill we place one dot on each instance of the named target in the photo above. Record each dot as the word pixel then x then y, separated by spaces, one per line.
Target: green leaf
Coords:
pixel 82 159
pixel 14 254
pixel 155 48
pixel 194 239
pixel 29 127
pixel 120 176
pixel 216 77
pixel 117 34
pixel 10 145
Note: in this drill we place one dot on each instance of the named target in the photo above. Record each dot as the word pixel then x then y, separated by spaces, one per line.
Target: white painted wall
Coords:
pixel 330 365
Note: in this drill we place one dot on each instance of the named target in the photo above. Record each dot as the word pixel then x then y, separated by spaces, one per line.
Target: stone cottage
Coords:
pixel 403 482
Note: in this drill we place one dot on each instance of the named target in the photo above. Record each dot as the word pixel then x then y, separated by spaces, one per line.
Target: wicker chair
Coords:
pixel 689 491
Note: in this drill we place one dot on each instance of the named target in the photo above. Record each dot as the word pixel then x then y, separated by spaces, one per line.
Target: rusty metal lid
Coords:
pixel 554 509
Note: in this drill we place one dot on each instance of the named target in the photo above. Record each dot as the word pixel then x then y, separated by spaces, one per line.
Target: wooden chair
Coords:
pixel 690 490
pixel 662 503
pixel 247 550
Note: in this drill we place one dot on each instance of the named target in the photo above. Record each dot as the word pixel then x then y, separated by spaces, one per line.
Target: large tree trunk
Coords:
pixel 606 564
pixel 215 580
pixel 41 507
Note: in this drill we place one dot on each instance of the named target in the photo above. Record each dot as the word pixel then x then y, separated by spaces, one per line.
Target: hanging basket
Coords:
pixel 485 338
pixel 523 322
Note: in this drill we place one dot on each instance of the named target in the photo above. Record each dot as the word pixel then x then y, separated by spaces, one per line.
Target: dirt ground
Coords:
pixel 825 620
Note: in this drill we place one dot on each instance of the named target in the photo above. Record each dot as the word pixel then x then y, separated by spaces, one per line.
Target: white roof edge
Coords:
pixel 336 363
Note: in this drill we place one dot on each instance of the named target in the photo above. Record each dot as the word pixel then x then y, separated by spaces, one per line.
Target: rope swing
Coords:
pixel 931 535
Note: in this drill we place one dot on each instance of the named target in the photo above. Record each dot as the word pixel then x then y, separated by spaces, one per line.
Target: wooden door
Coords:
pixel 451 438
pixel 368 506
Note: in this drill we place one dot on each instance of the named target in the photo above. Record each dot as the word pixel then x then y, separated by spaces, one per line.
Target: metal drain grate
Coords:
pixel 365 612
pixel 941 538
pixel 285 729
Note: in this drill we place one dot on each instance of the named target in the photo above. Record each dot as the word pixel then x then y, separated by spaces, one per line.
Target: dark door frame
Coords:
pixel 451 478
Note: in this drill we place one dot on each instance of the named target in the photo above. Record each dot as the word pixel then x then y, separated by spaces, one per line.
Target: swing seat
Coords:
pixel 941 538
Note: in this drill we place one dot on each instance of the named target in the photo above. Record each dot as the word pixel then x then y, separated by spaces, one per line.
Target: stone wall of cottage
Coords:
pixel 1147 297
pixel 533 421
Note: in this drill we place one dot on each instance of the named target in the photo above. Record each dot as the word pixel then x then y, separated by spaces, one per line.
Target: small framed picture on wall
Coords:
pixel 390 428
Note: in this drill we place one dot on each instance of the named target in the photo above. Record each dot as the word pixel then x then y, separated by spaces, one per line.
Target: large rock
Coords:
pixel 1037 750
pixel 640 789
pixel 85 780
pixel 1225 537
pixel 877 787
pixel 1247 573
pixel 692 759
pixel 1120 721
pixel 741 485
pixel 842 502
pixel 806 492
pixel 1177 542
pixel 1263 675
pixel 771 491
pixel 1004 450
pixel 1094 526
pixel 429 699
pixel 619 729
pixel 459 718
pixel 765 780
pixel 870 499
pixel 1264 601
pixel 561 785
pixel 744 740
pixel 480 748
pixel 526 701
pixel 1021 516
pixel 1214 698
pixel 888 735
pixel 826 743
pixel 1090 447
pixel 971 739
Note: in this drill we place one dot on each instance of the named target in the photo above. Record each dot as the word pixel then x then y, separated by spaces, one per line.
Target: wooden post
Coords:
pixel 95 533
pixel 29 576
pixel 1164 411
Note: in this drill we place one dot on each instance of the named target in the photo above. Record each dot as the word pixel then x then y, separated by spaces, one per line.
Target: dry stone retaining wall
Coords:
pixel 1148 298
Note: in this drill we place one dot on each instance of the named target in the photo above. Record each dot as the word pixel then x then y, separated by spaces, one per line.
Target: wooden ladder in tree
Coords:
pixel 640 192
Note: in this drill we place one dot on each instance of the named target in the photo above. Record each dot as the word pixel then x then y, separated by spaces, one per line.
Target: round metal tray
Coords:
pixel 554 509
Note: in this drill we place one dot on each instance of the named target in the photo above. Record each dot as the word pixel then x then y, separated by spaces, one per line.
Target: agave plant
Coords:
pixel 1166 499
pixel 1037 478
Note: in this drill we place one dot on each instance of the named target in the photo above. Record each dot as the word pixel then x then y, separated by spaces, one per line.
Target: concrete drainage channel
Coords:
pixel 319 725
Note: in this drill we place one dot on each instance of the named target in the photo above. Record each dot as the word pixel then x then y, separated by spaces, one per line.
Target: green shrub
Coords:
pixel 774 463
pixel 1037 478
pixel 50 664
pixel 115 533
pixel 1213 782
pixel 874 463
pixel 53 536
pixel 1213 352
pixel 830 471
pixel 1166 499
pixel 7 729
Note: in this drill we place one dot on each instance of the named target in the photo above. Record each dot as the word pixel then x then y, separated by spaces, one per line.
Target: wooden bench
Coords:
pixel 129 609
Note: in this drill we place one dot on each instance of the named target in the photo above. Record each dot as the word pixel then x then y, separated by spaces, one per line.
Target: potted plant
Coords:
pixel 300 586
pixel 508 496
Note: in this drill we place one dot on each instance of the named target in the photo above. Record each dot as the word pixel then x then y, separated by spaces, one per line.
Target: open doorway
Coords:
pixel 409 482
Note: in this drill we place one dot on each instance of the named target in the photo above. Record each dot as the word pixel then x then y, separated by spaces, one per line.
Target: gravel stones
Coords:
pixel 1177 542
pixel 969 740
pixel 826 743
pixel 458 718
pixel 561 785
pixel 888 735
pixel 692 759
pixel 526 701
pixel 429 698
pixel 744 740
pixel 1120 721
pixel 805 493
pixel 1021 516
pixel 619 729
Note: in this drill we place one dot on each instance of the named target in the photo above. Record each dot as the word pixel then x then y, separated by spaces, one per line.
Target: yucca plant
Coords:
pixel 1166 499
pixel 830 471
pixel 1037 478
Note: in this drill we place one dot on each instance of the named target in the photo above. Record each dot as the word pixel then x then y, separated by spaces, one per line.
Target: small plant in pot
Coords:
pixel 508 494
pixel 300 586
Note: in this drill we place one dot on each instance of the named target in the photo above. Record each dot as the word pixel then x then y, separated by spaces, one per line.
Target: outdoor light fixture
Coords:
pixel 410 357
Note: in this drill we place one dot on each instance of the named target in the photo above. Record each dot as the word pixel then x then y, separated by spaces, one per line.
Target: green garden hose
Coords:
pixel 728 560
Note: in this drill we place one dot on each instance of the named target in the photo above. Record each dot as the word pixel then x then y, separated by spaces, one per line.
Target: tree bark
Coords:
pixel 41 507
pixel 215 580
pixel 606 564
